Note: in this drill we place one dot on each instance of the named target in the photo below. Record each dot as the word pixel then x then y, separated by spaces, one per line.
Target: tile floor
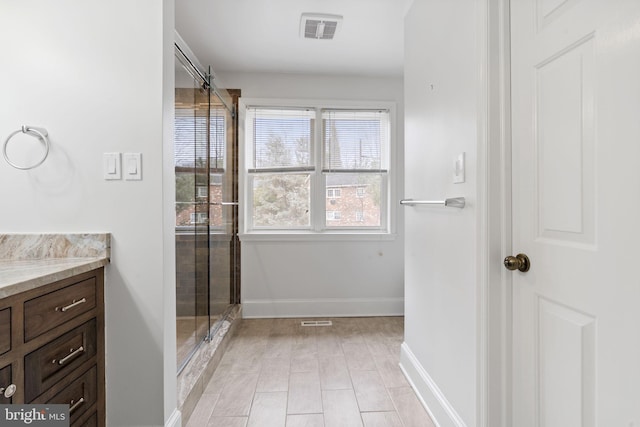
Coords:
pixel 277 373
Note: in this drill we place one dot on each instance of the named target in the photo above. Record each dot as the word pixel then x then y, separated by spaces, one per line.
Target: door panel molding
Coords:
pixel 564 138
pixel 565 391
pixel 547 11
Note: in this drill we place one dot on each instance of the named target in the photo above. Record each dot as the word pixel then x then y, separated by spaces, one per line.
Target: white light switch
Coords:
pixel 458 169
pixel 132 166
pixel 111 166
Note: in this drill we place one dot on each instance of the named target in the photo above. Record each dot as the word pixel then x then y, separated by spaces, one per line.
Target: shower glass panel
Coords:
pixel 222 209
pixel 207 245
pixel 192 225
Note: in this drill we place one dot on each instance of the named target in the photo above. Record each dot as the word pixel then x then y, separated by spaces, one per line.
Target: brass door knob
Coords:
pixel 519 262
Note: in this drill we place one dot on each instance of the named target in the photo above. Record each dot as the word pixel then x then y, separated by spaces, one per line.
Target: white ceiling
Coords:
pixel 263 36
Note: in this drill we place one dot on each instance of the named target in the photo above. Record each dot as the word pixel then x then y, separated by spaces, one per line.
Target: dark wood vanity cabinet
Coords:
pixel 5 331
pixel 52 346
pixel 6 379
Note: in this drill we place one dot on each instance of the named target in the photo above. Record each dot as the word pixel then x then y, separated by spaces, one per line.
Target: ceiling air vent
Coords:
pixel 321 27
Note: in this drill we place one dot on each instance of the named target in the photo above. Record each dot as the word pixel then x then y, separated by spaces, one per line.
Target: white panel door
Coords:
pixel 576 212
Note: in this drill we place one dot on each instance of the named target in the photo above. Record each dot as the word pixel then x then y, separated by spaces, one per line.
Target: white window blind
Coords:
pixel 190 136
pixel 355 140
pixel 281 139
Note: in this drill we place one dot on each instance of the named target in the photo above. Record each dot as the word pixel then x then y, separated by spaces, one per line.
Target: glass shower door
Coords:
pixel 223 241
pixel 192 106
pixel 206 171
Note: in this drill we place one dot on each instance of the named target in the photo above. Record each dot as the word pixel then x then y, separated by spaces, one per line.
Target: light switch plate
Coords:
pixel 458 169
pixel 132 166
pixel 111 166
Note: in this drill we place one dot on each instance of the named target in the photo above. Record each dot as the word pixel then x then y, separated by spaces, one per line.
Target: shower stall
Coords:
pixel 207 246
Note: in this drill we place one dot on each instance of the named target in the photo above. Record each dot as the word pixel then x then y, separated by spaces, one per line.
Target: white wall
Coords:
pixel 92 74
pixel 312 278
pixel 443 117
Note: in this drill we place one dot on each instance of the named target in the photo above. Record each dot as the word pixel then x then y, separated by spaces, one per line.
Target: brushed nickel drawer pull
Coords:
pixel 72 354
pixel 76 405
pixel 9 391
pixel 73 304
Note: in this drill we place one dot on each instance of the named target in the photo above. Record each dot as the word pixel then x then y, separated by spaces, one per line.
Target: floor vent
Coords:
pixel 316 323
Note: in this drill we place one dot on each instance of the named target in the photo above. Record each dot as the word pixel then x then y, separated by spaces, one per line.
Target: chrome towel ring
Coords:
pixel 40 133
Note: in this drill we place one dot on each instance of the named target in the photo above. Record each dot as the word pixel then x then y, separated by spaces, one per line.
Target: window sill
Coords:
pixel 284 236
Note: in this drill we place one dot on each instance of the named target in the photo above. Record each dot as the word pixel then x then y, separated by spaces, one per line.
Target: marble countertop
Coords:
pixel 31 260
pixel 22 275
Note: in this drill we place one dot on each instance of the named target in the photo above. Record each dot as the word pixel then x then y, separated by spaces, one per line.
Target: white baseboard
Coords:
pixel 439 408
pixel 322 307
pixel 175 420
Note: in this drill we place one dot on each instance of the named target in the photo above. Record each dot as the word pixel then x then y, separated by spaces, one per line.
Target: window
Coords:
pixel 333 215
pixel 281 167
pixel 333 193
pixel 199 218
pixel 191 158
pixel 317 169
pixel 201 191
pixel 190 136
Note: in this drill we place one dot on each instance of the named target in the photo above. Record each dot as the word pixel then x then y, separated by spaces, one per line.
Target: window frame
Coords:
pixel 319 229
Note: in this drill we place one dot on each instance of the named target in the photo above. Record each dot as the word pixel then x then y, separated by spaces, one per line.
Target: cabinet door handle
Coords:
pixel 73 304
pixel 76 405
pixel 9 391
pixel 72 354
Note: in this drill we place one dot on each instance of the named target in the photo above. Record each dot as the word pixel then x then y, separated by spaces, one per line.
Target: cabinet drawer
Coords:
pixel 5 381
pixel 5 331
pixel 47 365
pixel 80 395
pixel 44 313
pixel 92 421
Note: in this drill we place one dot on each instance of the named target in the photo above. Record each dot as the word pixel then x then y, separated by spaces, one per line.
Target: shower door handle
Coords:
pixel 227 203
